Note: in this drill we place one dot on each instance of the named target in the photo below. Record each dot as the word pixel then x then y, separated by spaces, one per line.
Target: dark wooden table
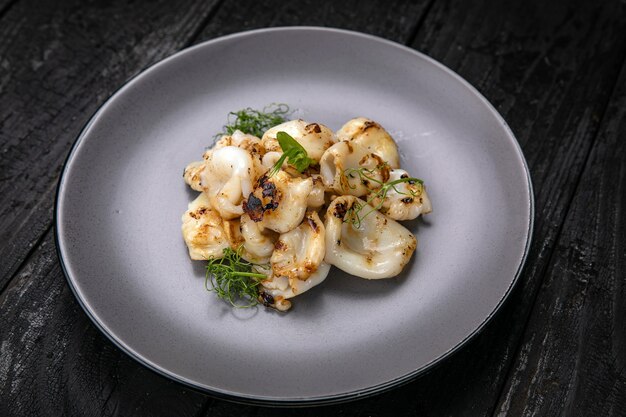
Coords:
pixel 555 71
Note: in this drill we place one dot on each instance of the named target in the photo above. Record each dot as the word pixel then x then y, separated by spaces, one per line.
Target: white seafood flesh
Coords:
pixel 292 223
pixel 315 138
pixel 279 202
pixel 258 241
pixel 284 288
pixel 339 168
pixel 316 198
pixel 373 137
pixel 227 179
pixel 299 252
pixel 203 230
pixel 370 246
pixel 405 200
pixel 192 175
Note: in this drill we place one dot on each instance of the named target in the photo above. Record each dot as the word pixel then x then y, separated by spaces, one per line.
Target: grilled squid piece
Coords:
pixel 241 140
pixel 276 291
pixel 203 230
pixel 299 252
pixel 316 198
pixel 340 165
pixel 404 201
pixel 271 158
pixel 192 174
pixel 227 178
pixel 249 143
pixel 279 202
pixel 315 138
pixel 373 137
pixel 297 264
pixel 258 242
pixel 370 246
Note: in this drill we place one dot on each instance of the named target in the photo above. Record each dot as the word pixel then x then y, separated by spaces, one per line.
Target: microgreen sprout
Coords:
pixel 293 152
pixel 375 202
pixel 255 122
pixel 233 280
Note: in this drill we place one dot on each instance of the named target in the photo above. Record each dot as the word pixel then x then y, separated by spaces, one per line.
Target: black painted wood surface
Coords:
pixel 558 345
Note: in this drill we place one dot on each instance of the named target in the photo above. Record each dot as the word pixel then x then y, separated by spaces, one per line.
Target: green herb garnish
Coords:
pixel 293 152
pixel 255 122
pixel 354 215
pixel 232 279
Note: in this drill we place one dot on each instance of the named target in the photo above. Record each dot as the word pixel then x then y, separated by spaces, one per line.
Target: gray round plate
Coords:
pixel 121 197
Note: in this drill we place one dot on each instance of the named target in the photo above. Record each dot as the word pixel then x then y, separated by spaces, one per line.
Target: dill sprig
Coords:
pixel 232 279
pixel 255 122
pixel 293 152
pixel 355 214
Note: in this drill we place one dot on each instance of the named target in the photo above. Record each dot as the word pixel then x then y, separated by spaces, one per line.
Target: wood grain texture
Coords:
pixel 53 360
pixel 59 60
pixel 395 20
pixel 5 5
pixel 581 307
pixel 537 87
pixel 548 68
pixel 104 381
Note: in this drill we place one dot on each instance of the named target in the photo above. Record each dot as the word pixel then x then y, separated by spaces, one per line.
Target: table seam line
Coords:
pixel 7 8
pixel 27 258
pixel 418 26
pixel 203 24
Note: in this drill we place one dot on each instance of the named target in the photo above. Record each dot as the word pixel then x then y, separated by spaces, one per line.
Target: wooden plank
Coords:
pixel 550 110
pixel 58 62
pixel 5 5
pixel 90 374
pixel 549 69
pixel 54 362
pixel 395 20
pixel 582 303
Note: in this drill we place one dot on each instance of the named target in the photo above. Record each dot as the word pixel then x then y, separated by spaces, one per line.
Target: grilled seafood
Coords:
pixel 276 213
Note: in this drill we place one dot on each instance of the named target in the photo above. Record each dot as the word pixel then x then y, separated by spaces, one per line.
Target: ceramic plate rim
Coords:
pixel 300 401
